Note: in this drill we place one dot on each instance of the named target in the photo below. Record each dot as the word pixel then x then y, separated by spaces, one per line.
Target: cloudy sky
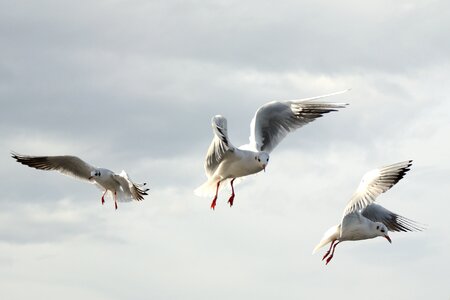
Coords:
pixel 133 85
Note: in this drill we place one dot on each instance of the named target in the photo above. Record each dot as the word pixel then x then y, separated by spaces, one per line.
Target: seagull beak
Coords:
pixel 90 177
pixel 264 168
pixel 388 238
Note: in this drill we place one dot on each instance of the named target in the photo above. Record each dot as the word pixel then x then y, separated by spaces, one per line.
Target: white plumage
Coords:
pixel 272 122
pixel 362 218
pixel 120 185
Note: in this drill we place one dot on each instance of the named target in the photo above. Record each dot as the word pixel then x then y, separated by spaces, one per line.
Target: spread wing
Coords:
pixel 130 190
pixel 220 145
pixel 68 165
pixel 393 222
pixel 374 183
pixel 274 120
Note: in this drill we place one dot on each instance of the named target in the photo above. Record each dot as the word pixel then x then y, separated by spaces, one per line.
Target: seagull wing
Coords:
pixel 68 165
pixel 220 145
pixel 129 188
pixel 274 120
pixel 393 222
pixel 374 183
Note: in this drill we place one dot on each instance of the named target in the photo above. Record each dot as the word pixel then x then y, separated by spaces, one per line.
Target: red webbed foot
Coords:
pixel 326 254
pixel 103 197
pixel 232 193
pixel 213 203
pixel 231 200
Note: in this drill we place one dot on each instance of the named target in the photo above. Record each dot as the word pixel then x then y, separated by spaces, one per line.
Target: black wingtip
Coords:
pixel 14 155
pixel 18 157
pixel 37 162
pixel 406 224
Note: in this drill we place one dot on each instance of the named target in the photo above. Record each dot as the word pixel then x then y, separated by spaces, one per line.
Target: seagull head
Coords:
pixel 381 230
pixel 262 159
pixel 95 174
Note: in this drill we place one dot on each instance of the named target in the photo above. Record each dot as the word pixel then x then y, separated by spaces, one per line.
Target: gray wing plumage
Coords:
pixel 374 183
pixel 274 120
pixel 68 165
pixel 393 222
pixel 220 145
pixel 131 189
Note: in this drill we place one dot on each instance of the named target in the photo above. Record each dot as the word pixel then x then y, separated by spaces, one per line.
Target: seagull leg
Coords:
pixel 213 203
pixel 331 256
pixel 103 197
pixel 232 193
pixel 115 199
pixel 329 250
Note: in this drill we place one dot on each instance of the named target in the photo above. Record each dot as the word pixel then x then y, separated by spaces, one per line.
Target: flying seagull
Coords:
pixel 120 185
pixel 363 219
pixel 271 123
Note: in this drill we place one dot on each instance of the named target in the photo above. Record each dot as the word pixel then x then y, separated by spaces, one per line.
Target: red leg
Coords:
pixel 332 252
pixel 103 197
pixel 115 199
pixel 329 250
pixel 232 193
pixel 213 203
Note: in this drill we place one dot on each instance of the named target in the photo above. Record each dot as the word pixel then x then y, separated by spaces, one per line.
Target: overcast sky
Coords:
pixel 133 85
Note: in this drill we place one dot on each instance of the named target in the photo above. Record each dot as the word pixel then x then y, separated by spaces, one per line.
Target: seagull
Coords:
pixel 363 219
pixel 120 185
pixel 272 122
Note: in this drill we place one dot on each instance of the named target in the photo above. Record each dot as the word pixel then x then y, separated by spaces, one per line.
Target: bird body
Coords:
pixel 120 185
pixel 363 219
pixel 104 178
pixel 271 123
pixel 239 163
pixel 355 227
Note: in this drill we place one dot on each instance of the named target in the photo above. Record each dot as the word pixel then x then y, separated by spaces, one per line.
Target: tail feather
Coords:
pixel 208 188
pixel 329 236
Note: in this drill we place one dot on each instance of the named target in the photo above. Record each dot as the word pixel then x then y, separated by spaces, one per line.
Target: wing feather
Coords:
pixel 220 145
pixel 129 188
pixel 393 221
pixel 374 183
pixel 274 120
pixel 66 164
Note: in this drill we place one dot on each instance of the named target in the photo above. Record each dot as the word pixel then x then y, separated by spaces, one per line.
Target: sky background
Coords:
pixel 133 85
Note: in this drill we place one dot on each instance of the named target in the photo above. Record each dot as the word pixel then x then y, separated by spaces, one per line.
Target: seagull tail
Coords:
pixel 207 189
pixel 329 236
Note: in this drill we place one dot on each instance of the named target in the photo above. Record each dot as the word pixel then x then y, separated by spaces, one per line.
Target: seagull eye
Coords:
pixel 378 227
pixel 382 230
pixel 259 160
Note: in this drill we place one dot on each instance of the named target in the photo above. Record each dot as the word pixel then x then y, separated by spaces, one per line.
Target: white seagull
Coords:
pixel 271 123
pixel 120 185
pixel 363 219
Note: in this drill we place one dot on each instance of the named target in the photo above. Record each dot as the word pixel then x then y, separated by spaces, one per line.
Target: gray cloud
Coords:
pixel 133 85
pixel 320 37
